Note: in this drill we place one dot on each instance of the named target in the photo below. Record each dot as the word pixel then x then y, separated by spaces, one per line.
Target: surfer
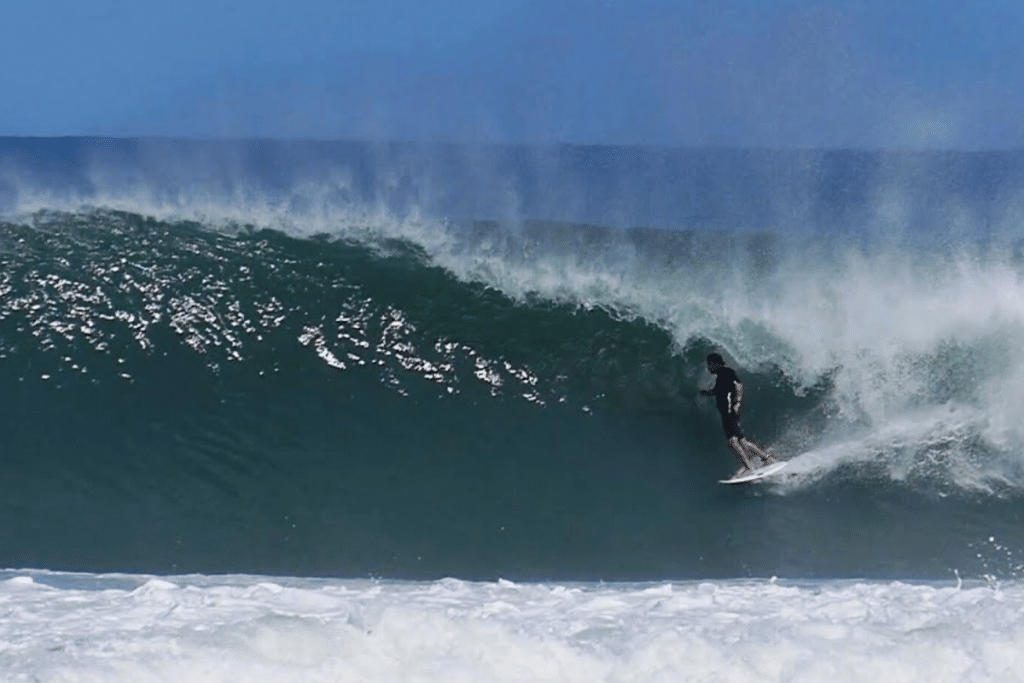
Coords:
pixel 728 393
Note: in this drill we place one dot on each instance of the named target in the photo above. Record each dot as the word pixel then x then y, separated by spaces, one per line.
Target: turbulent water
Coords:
pixel 391 364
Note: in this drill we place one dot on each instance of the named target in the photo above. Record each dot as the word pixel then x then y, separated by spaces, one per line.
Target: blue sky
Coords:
pixel 785 73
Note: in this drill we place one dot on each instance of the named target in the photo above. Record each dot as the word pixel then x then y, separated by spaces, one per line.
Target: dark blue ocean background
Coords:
pixel 417 361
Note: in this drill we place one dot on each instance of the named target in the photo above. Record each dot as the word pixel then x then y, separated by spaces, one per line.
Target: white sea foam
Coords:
pixel 194 629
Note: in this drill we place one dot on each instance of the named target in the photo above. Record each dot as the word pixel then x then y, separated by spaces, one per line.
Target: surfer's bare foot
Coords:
pixel 742 472
pixel 769 457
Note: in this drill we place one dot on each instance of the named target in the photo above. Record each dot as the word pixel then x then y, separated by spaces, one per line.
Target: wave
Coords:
pixel 889 343
pixel 517 382
pixel 899 336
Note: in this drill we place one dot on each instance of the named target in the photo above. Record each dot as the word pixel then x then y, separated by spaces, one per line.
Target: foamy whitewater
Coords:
pixel 85 627
pixel 350 412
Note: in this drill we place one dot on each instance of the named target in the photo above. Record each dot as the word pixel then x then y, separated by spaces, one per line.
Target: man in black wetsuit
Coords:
pixel 728 393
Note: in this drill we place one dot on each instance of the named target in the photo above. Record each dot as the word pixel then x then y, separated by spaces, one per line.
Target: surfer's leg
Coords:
pixel 747 467
pixel 765 454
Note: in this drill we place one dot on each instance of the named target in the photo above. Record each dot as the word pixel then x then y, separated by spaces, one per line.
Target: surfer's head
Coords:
pixel 715 361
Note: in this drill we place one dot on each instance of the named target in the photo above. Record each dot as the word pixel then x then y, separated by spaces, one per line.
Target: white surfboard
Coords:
pixel 759 473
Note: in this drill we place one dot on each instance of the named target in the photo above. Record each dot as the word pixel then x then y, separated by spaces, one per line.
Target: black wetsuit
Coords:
pixel 725 380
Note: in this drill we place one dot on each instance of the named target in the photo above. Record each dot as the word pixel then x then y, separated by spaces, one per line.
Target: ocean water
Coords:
pixel 352 411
